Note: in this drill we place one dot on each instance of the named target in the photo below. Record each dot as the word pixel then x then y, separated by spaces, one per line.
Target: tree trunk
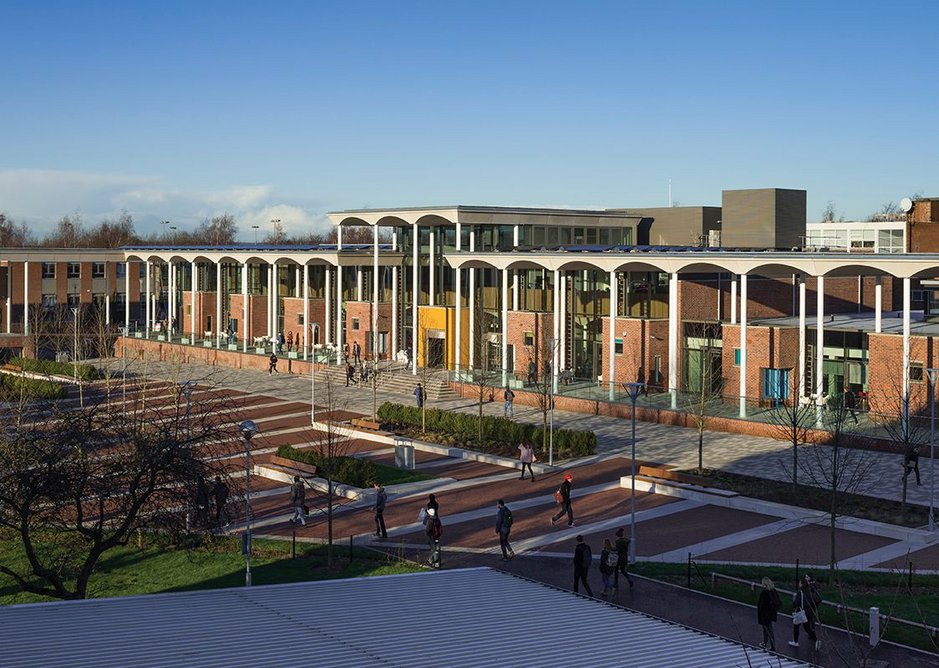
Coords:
pixel 700 449
pixel 795 464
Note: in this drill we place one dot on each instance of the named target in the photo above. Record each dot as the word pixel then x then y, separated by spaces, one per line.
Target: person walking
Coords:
pixel 804 613
pixel 220 494
pixel 432 504
pixel 622 552
pixel 563 497
pixel 609 560
pixel 850 404
pixel 297 497
pixel 419 395
pixel 290 341
pixel 508 410
pixel 381 498
pixel 350 374
pixel 357 353
pixel 272 365
pixel 503 528
pixel 202 502
pixel 280 342
pixel 911 463
pixel 766 608
pixel 532 372
pixel 526 456
pixel 433 529
pixel 582 558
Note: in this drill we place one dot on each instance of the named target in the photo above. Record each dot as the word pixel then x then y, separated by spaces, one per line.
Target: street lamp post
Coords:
pixel 186 388
pixel 550 380
pixel 248 429
pixel 123 331
pixel 164 223
pixel 932 374
pixel 313 327
pixel 255 228
pixel 633 389
pixel 75 379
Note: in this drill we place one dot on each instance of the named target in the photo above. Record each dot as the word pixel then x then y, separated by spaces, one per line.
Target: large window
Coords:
pixel 97 270
pixel 74 270
pixel 48 269
pixel 890 241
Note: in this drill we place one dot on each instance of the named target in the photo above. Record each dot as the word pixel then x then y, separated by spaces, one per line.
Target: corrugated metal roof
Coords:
pixel 470 617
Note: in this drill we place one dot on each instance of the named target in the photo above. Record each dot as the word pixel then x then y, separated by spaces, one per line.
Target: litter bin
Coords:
pixel 404 453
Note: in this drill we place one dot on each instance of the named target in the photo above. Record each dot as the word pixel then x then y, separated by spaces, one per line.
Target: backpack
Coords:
pixel 506 517
pixel 558 497
pixel 612 559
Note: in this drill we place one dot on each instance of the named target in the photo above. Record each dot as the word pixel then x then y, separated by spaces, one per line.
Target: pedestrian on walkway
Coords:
pixel 532 372
pixel 766 608
pixel 609 560
pixel 526 457
pixel 622 552
pixel 432 504
pixel 220 494
pixel 272 365
pixel 508 410
pixel 563 497
pixel 289 341
pixel 911 463
pixel 202 502
pixel 582 558
pixel 297 497
pixel 280 342
pixel 850 404
pixel 357 353
pixel 381 498
pixel 804 613
pixel 434 529
pixel 503 528
pixel 419 395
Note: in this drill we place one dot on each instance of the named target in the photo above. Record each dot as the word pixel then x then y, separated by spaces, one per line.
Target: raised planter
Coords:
pixel 303 467
pixel 675 476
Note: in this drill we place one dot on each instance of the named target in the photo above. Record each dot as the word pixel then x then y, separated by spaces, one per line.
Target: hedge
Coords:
pixel 348 471
pixel 13 387
pixel 85 372
pixel 497 431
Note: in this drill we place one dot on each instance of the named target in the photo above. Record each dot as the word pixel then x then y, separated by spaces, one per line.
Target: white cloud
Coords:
pixel 41 197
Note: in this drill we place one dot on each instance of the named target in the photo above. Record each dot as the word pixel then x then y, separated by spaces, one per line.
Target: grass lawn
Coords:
pixel 390 475
pixel 855 505
pixel 859 589
pixel 159 567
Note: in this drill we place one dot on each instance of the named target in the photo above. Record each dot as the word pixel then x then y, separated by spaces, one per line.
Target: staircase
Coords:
pixel 396 380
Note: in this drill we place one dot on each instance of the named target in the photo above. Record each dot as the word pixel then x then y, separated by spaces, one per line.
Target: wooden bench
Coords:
pixel 302 467
pixel 364 423
pixel 674 476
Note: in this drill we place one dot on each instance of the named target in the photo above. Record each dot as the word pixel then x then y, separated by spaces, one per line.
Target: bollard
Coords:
pixel 874 616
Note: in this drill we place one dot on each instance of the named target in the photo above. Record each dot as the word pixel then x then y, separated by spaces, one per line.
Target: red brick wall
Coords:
pixel 293 308
pixel 205 309
pixel 885 371
pixel 363 311
pixel 257 314
pixel 639 349
pixel 541 325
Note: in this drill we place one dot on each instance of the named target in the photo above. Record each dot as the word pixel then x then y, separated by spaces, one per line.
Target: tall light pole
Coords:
pixel 186 388
pixel 633 389
pixel 932 374
pixel 550 380
pixel 247 429
pixel 164 223
pixel 123 331
pixel 255 228
pixel 313 327
pixel 81 398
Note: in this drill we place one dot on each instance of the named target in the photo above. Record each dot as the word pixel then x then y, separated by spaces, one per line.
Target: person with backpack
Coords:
pixel 805 612
pixel 381 498
pixel 622 553
pixel 434 530
pixel 582 558
pixel 563 497
pixel 297 497
pixel 609 560
pixel 272 365
pixel 508 410
pixel 503 528
pixel 766 608
pixel 419 395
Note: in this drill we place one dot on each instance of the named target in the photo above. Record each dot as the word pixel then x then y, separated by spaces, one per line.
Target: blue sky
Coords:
pixel 182 110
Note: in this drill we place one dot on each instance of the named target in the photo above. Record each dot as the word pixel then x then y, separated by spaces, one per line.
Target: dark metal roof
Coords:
pixel 287 248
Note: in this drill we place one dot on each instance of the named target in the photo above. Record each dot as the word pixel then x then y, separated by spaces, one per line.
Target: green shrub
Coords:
pixel 498 432
pixel 348 470
pixel 85 372
pixel 12 388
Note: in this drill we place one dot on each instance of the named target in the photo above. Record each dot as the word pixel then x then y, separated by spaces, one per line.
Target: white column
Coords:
pixel 415 294
pixel 733 300
pixel 432 261
pixel 906 345
pixel 107 294
pixel 743 345
pixel 458 315
pixel 26 298
pixel 170 299
pixel 394 310
pixel 505 326
pixel 358 283
pixel 819 338
pixel 274 289
pixel 802 331
pixel 306 309
pixel 147 301
pixel 194 290
pixel 9 298
pixel 339 238
pixel 328 302
pixel 614 293
pixel 244 296
pixel 218 304
pixel 878 304
pixel 472 303
pixel 562 325
pixel 515 271
pixel 296 280
pixel 375 292
pixel 340 335
pixel 556 348
pixel 127 297
pixel 673 338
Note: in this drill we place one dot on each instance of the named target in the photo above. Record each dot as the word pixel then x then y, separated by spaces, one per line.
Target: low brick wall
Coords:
pixel 163 351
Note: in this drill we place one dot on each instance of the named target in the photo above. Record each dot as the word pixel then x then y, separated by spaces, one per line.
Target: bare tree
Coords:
pixel 14 234
pixel 540 379
pixel 792 420
pixel 704 384
pixel 837 466
pixel 829 213
pixel 219 231
pixel 80 482
pixel 277 235
pixel 906 431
